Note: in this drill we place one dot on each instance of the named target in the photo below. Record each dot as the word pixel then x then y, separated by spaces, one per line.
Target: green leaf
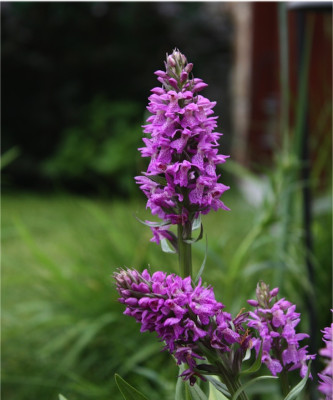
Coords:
pixel 128 391
pixel 61 397
pixel 255 366
pixel 191 241
pixel 165 246
pixel 300 386
pixel 153 224
pixel 214 394
pixel 221 387
pixel 201 270
pixel 196 224
pixel 182 388
pixel 249 383
pixel 197 393
pixel 158 179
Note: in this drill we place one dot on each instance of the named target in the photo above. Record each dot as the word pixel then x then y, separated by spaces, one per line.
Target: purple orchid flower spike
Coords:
pixel 182 147
pixel 275 321
pixel 188 318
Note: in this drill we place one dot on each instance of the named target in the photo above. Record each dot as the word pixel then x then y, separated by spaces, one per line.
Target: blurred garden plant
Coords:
pixel 181 183
pixel 91 153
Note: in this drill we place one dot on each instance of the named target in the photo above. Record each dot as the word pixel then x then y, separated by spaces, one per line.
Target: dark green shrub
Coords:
pixel 100 152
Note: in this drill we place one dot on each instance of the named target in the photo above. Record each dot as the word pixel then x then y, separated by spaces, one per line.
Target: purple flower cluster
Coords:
pixel 276 327
pixel 181 180
pixel 181 315
pixel 326 376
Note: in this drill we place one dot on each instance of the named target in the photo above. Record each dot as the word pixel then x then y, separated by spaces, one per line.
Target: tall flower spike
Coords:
pixel 181 181
pixel 186 318
pixel 275 322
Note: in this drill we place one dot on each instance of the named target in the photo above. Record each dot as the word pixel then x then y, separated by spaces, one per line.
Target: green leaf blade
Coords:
pixel 255 366
pixel 294 392
pixel 128 391
pixel 250 383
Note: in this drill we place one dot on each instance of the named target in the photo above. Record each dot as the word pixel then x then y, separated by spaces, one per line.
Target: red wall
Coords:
pixel 264 132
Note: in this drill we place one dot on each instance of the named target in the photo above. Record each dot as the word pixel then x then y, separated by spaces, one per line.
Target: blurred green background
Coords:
pixel 76 77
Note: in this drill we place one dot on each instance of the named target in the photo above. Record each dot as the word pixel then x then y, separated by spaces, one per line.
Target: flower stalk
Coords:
pixel 184 251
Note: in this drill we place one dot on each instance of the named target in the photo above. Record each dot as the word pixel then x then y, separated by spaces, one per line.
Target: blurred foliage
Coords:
pixel 58 58
pixel 101 152
pixel 63 330
pixel 77 80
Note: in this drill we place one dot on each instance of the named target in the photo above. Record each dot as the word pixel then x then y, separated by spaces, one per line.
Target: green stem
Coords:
pixel 284 382
pixel 231 381
pixel 184 251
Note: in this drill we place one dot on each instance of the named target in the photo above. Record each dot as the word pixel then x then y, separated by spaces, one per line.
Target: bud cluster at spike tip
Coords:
pixel 326 376
pixel 276 324
pixel 182 147
pixel 182 315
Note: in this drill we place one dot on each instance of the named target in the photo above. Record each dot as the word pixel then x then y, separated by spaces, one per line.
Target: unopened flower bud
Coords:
pixel 171 61
pixel 161 74
pixel 274 292
pixel 183 76
pixel 189 68
pixel 199 86
pixel 253 303
pixel 173 83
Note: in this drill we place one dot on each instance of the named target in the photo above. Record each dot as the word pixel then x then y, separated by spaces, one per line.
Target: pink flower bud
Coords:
pixel 171 61
pixel 173 83
pixel 199 86
pixel 253 303
pixel 183 76
pixel 189 68
pixel 161 74
pixel 274 292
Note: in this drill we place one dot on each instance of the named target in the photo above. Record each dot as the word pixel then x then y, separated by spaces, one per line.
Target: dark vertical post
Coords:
pixel 302 143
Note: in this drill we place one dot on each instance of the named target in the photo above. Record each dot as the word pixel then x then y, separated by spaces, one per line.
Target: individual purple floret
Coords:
pixel 182 315
pixel 325 377
pixel 275 322
pixel 181 180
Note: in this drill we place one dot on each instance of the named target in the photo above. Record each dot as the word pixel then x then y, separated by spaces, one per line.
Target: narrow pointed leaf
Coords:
pixel 165 246
pixel 182 388
pixel 247 355
pixel 215 394
pixel 249 383
pixel 207 369
pixel 197 393
pixel 219 386
pixel 255 366
pixel 153 224
pixel 61 397
pixel 201 270
pixel 191 241
pixel 158 179
pixel 128 391
pixel 196 223
pixel 299 387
